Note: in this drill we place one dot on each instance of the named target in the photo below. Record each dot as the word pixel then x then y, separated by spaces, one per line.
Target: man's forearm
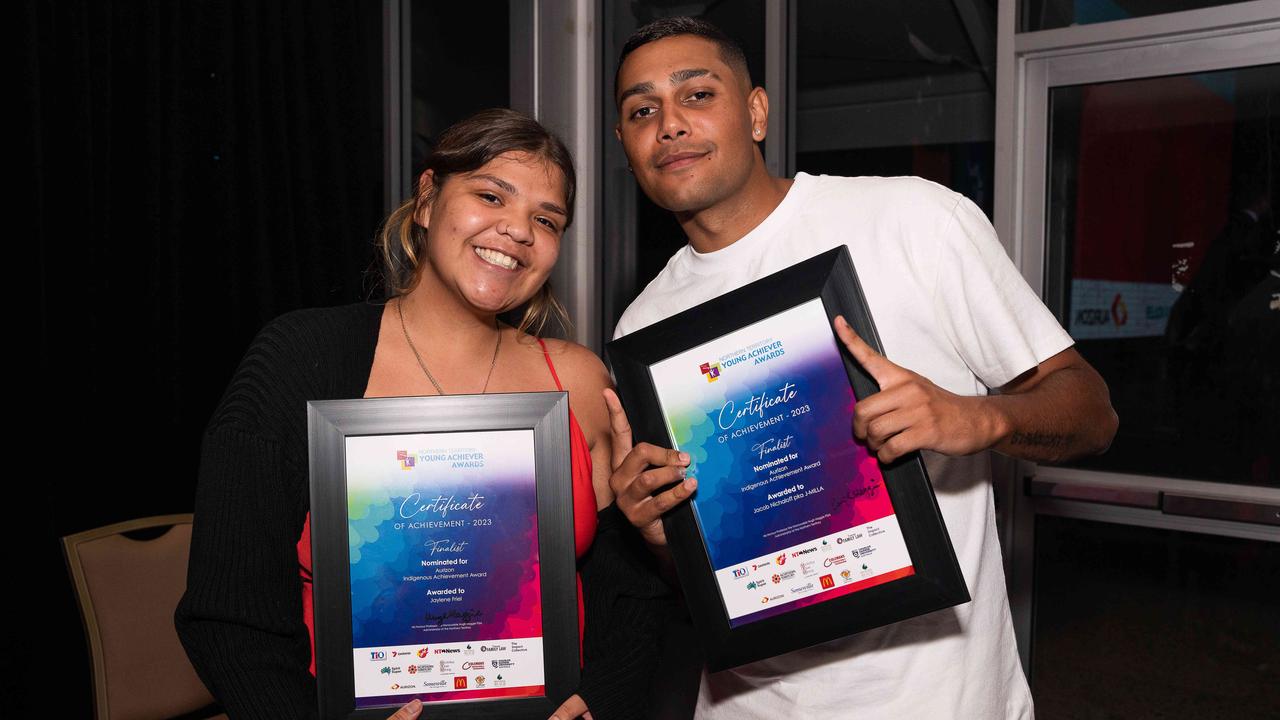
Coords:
pixel 1067 414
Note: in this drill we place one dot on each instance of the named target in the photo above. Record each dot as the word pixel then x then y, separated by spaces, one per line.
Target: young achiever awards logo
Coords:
pixel 711 370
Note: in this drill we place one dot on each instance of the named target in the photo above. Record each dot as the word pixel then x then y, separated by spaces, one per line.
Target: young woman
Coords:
pixel 478 240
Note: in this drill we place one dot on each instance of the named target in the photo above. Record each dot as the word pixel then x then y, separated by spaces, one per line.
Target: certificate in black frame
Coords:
pixel 936 582
pixel 330 424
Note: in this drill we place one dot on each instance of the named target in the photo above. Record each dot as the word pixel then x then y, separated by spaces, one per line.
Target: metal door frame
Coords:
pixel 1028 65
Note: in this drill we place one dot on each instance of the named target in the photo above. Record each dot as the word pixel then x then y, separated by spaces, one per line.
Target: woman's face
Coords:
pixel 493 235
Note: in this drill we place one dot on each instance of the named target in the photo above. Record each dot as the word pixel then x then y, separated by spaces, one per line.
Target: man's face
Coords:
pixel 687 123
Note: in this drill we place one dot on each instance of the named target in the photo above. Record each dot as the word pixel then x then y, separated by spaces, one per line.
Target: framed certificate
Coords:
pixel 443 559
pixel 796 534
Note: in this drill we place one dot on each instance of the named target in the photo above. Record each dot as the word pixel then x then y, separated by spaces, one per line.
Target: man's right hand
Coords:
pixel 640 470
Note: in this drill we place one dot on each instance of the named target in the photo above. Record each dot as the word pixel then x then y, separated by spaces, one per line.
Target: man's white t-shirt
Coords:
pixel 949 305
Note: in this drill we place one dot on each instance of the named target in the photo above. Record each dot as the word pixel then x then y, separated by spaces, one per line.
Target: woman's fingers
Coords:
pixel 571 709
pixel 409 711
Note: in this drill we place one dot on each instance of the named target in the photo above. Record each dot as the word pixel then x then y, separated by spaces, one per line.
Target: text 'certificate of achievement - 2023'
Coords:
pixel 445 591
pixel 792 511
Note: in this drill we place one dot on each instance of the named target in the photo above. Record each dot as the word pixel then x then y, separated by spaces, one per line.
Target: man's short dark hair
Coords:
pixel 662 28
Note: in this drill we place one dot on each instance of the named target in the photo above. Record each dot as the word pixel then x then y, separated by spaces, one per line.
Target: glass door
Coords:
pixel 1147 156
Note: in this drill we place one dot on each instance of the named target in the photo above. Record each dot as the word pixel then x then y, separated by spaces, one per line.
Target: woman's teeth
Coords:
pixel 497 258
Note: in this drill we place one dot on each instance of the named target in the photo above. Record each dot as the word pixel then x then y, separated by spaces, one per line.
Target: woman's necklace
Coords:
pixel 493 363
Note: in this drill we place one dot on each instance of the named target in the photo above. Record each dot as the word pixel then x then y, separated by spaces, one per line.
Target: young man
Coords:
pixel 955 318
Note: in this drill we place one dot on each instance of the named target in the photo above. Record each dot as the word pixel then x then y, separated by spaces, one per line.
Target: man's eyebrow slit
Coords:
pixel 680 76
pixel 676 77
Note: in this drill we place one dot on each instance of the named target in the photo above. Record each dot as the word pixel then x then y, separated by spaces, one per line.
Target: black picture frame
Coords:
pixel 937 582
pixel 330 423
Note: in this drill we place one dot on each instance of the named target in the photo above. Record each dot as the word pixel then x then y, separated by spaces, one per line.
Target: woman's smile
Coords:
pixel 494 257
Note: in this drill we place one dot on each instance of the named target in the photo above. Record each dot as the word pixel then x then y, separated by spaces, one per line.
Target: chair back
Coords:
pixel 128 590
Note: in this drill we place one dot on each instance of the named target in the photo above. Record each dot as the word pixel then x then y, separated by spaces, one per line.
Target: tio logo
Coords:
pixel 460 683
pixel 378 655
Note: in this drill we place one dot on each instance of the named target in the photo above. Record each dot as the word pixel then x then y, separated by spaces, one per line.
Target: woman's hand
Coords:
pixel 410 711
pixel 572 709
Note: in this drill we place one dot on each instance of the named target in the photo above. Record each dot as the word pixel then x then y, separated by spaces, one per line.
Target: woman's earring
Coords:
pixel 757 131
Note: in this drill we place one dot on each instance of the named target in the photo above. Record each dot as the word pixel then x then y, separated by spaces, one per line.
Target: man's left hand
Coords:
pixel 911 413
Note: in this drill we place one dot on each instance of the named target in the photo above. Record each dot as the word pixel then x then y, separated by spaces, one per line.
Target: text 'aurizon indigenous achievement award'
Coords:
pixel 792 511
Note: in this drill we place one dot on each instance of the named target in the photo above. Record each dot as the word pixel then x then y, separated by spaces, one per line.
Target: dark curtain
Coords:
pixel 187 171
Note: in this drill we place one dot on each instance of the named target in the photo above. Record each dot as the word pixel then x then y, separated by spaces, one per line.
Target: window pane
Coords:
pixel 637 252
pixel 1050 14
pixel 896 88
pixel 460 65
pixel 1166 265
pixel 1133 622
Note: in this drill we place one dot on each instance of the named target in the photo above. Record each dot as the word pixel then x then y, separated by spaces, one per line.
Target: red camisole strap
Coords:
pixel 584 494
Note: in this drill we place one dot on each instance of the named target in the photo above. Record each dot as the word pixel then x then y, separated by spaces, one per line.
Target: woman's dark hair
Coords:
pixel 466 147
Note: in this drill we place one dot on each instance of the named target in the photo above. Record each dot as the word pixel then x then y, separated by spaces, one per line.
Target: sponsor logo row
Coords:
pixel 806 568
pixel 447 666
pixel 422 652
pixel 460 682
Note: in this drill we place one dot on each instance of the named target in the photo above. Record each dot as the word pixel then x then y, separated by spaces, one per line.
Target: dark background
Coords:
pixel 186 172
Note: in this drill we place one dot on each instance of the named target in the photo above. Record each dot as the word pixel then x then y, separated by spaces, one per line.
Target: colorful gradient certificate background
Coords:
pixel 445 599
pixel 792 510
